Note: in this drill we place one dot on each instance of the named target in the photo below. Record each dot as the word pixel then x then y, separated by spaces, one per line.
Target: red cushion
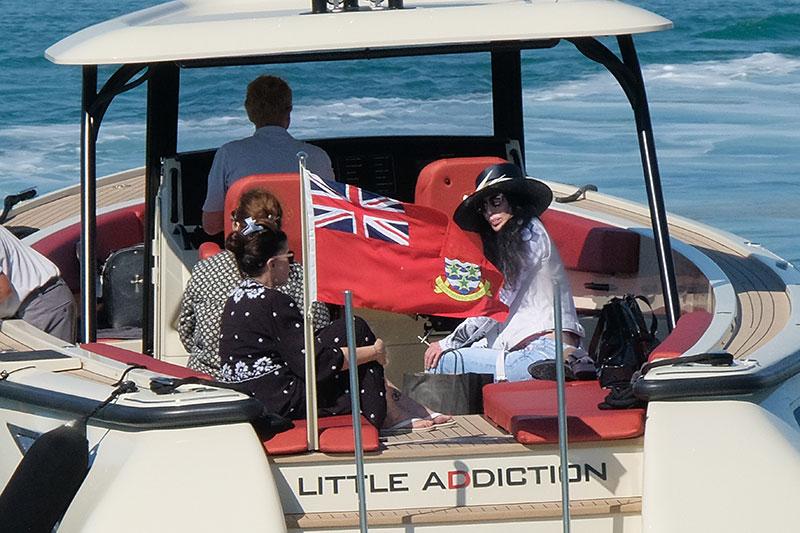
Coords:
pixel 286 187
pixel 135 358
pixel 208 249
pixel 115 230
pixel 336 436
pixel 529 411
pixel 687 332
pixel 443 183
pixel 591 246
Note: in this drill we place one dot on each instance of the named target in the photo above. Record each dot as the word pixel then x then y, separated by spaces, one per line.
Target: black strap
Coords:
pixel 621 397
pixel 457 356
pixel 121 379
pixel 598 333
pixel 653 319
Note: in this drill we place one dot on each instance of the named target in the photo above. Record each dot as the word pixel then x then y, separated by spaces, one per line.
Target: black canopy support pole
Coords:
pixel 88 327
pixel 507 98
pixel 652 178
pixel 118 83
pixel 628 74
pixel 161 142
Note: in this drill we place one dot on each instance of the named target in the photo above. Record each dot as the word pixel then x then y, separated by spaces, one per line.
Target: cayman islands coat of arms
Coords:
pixel 462 281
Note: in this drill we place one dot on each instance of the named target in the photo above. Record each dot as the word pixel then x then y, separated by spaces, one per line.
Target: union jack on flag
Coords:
pixel 342 207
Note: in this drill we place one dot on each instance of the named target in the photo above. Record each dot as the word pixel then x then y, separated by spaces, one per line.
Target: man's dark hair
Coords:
pixel 268 101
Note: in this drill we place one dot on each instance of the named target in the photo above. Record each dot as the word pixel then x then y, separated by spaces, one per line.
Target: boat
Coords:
pixel 716 446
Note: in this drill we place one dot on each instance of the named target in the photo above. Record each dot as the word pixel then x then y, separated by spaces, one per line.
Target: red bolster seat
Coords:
pixel 687 332
pixel 335 436
pixel 591 246
pixel 529 411
pixel 135 358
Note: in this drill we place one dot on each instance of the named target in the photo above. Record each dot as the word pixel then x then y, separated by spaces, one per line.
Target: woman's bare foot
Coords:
pixel 403 412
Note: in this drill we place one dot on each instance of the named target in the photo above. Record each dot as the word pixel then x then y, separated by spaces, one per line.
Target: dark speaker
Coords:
pixel 123 287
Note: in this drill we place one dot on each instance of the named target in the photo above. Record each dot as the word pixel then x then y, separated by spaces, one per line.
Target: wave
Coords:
pixel 767 70
pixel 763 68
pixel 773 27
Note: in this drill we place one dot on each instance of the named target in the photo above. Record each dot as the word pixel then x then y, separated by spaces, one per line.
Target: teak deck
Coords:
pixel 468 514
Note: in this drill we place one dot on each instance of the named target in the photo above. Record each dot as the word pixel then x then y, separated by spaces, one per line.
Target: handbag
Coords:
pixel 452 394
pixel 622 340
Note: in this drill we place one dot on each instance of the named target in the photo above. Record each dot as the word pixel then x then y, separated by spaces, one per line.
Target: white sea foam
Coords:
pixel 755 68
pixel 764 70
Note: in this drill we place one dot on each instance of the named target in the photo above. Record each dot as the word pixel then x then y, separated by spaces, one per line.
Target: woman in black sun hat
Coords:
pixel 504 210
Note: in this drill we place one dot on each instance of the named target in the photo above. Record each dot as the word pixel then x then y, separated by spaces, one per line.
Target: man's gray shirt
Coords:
pixel 269 150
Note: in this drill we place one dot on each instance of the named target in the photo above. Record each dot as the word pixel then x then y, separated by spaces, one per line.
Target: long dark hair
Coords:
pixel 506 249
pixel 252 251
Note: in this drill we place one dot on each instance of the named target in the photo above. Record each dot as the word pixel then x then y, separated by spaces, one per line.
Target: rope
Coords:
pixel 124 388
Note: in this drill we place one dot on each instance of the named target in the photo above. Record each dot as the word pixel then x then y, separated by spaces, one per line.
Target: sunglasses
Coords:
pixel 288 255
pixel 492 201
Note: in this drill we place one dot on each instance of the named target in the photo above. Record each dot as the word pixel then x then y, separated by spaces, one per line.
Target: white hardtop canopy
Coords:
pixel 214 29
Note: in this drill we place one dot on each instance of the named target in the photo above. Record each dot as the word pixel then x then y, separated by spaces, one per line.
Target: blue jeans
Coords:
pixel 484 360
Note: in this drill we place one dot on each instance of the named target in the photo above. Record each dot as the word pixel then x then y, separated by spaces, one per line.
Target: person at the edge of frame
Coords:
pixel 504 209
pixel 31 288
pixel 271 149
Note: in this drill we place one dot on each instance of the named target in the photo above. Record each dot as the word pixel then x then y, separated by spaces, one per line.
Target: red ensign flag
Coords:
pixel 398 257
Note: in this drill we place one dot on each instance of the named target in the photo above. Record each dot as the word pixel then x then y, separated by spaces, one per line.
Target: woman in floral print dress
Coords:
pixel 262 340
pixel 213 279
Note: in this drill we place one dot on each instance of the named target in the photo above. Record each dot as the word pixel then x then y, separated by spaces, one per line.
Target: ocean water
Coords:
pixel 723 85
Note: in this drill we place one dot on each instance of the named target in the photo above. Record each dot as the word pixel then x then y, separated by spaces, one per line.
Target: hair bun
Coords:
pixel 269 223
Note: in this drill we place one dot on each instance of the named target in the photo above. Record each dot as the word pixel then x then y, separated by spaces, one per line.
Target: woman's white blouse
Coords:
pixel 530 300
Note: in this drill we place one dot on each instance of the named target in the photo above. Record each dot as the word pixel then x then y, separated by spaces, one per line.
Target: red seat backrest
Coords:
pixel 286 187
pixel 590 246
pixel 444 183
pixel 584 244
pixel 208 249
pixel 115 230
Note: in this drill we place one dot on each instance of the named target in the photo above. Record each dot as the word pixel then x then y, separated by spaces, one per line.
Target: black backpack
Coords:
pixel 622 341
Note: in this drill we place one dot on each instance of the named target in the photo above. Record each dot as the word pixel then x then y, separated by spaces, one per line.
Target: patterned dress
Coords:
pixel 213 279
pixel 262 349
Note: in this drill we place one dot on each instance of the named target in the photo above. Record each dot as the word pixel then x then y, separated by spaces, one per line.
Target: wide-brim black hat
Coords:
pixel 508 179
